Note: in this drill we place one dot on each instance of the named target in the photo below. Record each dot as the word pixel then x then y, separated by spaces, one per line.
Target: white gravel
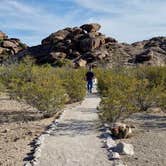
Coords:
pixel 75 141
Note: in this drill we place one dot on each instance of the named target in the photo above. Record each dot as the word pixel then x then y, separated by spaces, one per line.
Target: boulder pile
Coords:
pixel 85 45
pixel 81 45
pixel 9 46
pixel 150 52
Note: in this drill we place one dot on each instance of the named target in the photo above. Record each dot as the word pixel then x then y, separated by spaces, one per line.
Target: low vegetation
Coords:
pixel 43 87
pixel 125 91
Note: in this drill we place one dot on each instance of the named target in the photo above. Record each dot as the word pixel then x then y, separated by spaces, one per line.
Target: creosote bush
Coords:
pixel 43 87
pixel 73 82
pixel 130 90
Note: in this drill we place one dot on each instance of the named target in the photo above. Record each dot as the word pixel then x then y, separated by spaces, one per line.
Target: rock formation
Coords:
pixel 121 130
pixel 84 45
pixel 9 47
pixel 151 52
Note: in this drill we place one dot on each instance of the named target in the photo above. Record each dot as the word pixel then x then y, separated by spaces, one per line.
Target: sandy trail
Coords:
pixel 74 141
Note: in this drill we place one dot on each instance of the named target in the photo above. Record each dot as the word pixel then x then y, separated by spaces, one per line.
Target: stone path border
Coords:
pixel 77 129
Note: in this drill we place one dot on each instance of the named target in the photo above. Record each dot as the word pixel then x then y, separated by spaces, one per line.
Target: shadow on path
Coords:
pixel 74 127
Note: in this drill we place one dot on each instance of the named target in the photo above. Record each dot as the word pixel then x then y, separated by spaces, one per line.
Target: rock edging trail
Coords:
pixel 73 140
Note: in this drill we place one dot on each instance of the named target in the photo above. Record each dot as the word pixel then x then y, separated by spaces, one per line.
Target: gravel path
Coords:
pixel 74 141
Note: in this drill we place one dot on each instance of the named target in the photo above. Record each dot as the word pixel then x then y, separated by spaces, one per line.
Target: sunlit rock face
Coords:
pixel 87 45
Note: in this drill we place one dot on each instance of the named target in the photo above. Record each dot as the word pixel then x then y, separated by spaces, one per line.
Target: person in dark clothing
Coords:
pixel 89 79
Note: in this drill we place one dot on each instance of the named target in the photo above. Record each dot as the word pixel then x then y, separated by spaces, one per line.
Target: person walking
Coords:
pixel 89 79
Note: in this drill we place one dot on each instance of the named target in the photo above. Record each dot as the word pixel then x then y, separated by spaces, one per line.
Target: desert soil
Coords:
pixel 75 141
pixel 16 133
pixel 149 139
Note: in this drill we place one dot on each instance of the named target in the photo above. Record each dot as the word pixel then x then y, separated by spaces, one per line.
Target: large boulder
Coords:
pixel 101 54
pixel 58 55
pixel 110 40
pixel 3 35
pixel 92 34
pixel 13 45
pixel 94 27
pixel 55 37
pixel 89 44
pixel 60 47
pixel 79 37
pixel 81 63
pixel 17 49
pixel 124 148
pixel 1 50
pixel 15 40
pixel 9 47
pixel 121 130
pixel 9 44
pixel 74 55
pixel 145 56
pixel 89 57
pixel 76 31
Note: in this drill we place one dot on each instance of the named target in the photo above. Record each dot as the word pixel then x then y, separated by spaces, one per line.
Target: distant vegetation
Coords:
pixel 123 90
pixel 128 90
pixel 43 87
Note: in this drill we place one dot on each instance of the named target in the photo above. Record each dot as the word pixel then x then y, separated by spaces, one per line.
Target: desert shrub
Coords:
pixel 43 87
pixel 5 55
pixel 35 85
pixel 155 75
pixel 73 83
pixel 1 41
pixel 23 46
pixel 117 96
pixel 63 63
pixel 150 87
pixel 130 90
pixel 44 91
pixel 104 77
pixel 2 87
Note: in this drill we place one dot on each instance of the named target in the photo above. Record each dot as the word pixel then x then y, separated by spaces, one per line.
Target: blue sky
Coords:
pixel 126 20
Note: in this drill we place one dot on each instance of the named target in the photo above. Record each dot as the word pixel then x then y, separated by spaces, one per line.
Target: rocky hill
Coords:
pixel 9 46
pixel 85 45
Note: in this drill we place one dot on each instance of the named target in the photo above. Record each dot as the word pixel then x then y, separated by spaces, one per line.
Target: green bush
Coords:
pixel 73 83
pixel 117 96
pixel 44 91
pixel 129 90
pixel 43 87
pixel 150 87
pixel 155 75
pixel 63 63
pixel 23 46
pixel 1 41
pixel 2 89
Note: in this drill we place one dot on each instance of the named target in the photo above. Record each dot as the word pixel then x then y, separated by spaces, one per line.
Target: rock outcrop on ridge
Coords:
pixel 9 46
pixel 84 45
